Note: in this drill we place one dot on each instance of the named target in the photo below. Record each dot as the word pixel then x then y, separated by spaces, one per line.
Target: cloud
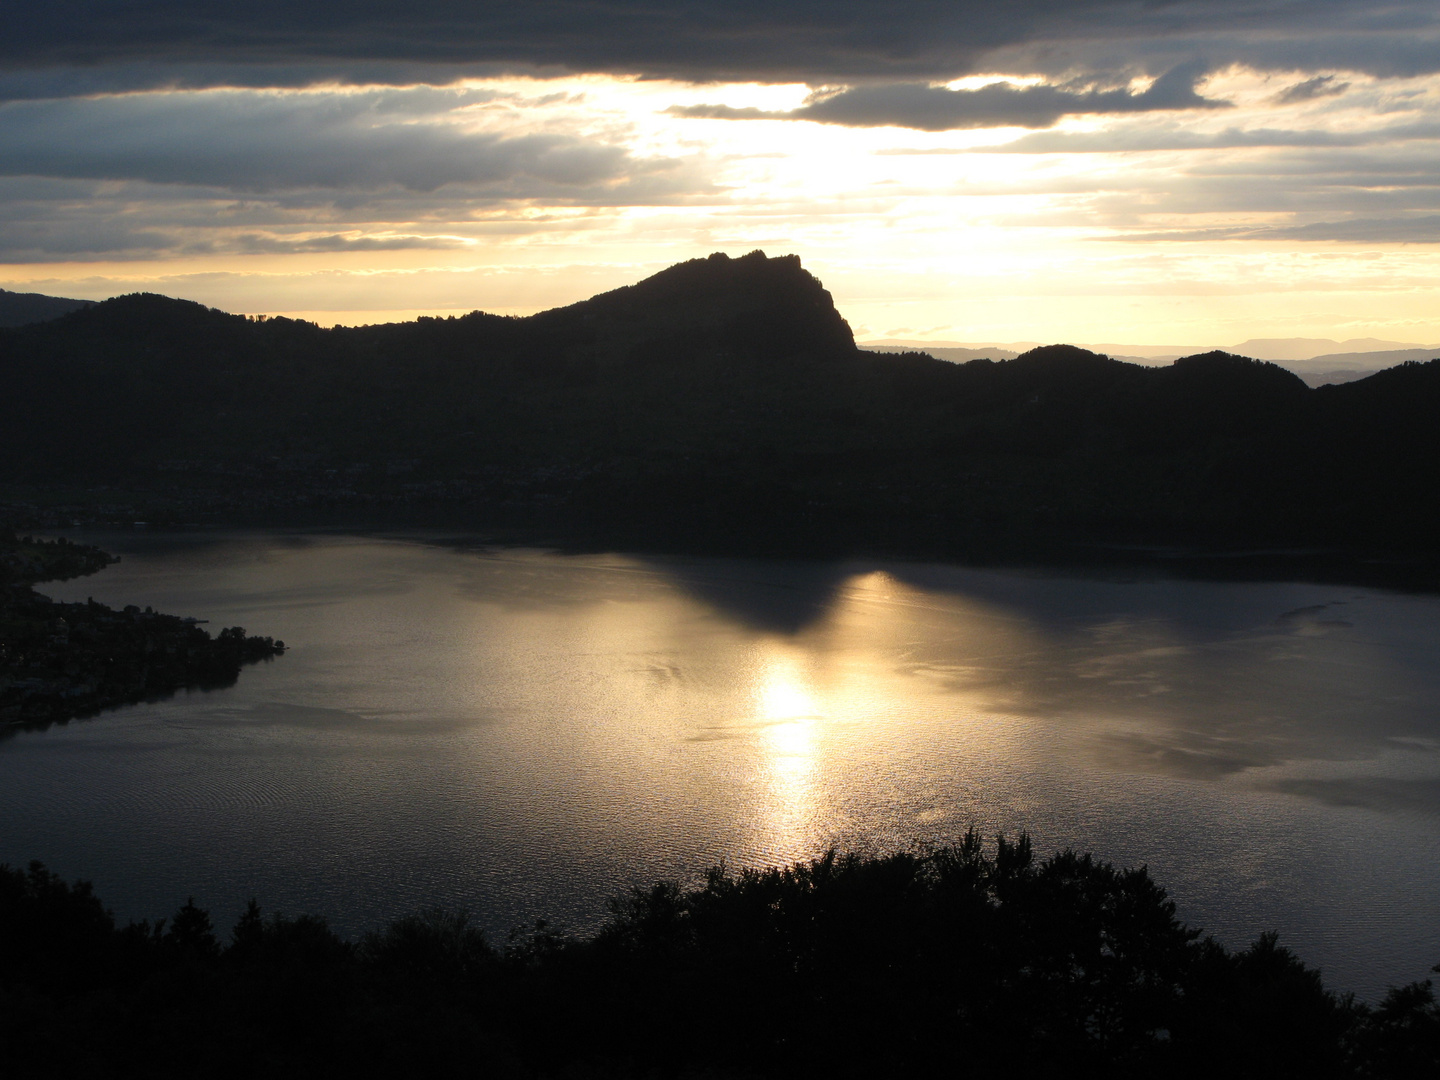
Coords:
pixel 269 131
pixel 814 41
pixel 1169 136
pixel 1419 229
pixel 255 243
pixel 1381 194
pixel 31 240
pixel 1000 104
pixel 45 220
pixel 247 141
pixel 1318 87
pixel 222 172
pixel 1396 230
pixel 24 83
pixel 104 230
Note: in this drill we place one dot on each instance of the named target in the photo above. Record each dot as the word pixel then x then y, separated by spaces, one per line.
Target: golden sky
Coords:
pixel 1098 179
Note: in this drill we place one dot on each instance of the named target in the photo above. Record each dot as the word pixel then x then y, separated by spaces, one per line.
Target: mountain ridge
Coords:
pixel 721 399
pixel 1275 350
pixel 22 309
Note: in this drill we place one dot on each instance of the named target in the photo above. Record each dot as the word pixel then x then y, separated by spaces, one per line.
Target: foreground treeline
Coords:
pixel 957 960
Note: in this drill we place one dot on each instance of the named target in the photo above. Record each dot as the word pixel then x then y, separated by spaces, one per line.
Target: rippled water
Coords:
pixel 524 733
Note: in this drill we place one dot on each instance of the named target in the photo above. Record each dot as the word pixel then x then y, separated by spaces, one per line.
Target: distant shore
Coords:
pixel 816 538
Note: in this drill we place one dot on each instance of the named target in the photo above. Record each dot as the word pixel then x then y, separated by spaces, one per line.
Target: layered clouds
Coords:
pixel 1040 169
pixel 256 142
pixel 148 42
pixel 245 171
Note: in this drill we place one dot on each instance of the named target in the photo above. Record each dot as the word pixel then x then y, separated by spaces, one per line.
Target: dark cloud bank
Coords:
pixel 280 42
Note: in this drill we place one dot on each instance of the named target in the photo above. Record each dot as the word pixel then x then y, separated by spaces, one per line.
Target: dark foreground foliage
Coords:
pixel 953 960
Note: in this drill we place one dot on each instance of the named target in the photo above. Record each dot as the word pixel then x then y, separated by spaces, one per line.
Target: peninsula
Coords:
pixel 62 661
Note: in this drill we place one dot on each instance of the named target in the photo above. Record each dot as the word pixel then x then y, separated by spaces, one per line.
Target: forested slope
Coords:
pixel 724 396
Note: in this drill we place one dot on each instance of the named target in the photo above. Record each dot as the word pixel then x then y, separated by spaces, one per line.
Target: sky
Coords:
pixel 1146 171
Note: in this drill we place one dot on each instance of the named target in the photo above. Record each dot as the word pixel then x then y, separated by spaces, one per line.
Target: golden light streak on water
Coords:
pixel 789 713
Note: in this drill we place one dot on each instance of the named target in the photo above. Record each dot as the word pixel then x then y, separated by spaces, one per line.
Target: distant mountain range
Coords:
pixel 1318 361
pixel 20 309
pixel 1283 349
pixel 720 403
pixel 1276 350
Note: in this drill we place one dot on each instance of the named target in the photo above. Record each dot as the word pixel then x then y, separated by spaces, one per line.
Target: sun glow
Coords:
pixel 529 193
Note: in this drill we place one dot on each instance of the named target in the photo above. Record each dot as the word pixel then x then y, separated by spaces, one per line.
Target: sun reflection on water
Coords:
pixel 788 708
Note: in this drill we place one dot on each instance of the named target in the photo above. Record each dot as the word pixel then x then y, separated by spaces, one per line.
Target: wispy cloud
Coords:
pixel 1318 87
pixel 261 142
pixel 1160 137
pixel 216 172
pixel 1417 229
pixel 1000 104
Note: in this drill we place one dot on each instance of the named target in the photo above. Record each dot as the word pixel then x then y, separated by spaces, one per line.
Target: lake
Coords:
pixel 525 733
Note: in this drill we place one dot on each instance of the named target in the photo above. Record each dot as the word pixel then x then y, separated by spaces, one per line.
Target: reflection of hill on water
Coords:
pixel 62 717
pixel 1260 682
pixel 781 596
pixel 790 595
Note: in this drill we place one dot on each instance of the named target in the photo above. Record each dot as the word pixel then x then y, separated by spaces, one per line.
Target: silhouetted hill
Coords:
pixel 721 401
pixel 20 309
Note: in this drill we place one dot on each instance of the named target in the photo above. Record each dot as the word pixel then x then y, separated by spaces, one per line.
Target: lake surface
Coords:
pixel 525 733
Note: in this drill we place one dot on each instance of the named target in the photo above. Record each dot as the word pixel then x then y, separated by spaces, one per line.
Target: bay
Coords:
pixel 524 733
